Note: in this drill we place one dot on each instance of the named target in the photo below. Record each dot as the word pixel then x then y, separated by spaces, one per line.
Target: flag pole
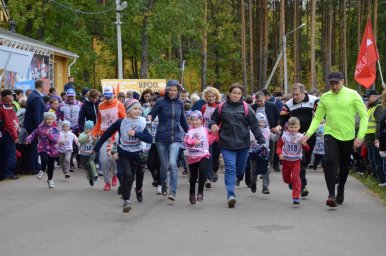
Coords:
pixel 380 72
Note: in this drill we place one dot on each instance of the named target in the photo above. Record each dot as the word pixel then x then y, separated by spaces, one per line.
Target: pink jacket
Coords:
pixel 197 142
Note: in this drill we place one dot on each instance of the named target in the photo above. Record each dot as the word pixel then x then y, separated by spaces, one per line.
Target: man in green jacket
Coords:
pixel 339 107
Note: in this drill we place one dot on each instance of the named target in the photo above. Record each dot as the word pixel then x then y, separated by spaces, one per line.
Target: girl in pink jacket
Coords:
pixel 197 142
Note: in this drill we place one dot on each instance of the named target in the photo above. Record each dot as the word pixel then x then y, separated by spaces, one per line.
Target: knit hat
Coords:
pixel 261 117
pixel 65 122
pixel 70 92
pixel 131 103
pixel 88 125
pixel 49 114
pixel 196 114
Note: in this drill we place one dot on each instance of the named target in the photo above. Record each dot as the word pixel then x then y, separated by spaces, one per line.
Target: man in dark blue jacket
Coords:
pixel 33 117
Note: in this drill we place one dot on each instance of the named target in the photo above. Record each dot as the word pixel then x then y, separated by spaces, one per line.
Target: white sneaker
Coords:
pixel 40 175
pixel 50 183
pixel 159 190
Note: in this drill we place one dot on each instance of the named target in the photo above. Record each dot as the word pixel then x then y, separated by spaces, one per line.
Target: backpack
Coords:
pixel 245 105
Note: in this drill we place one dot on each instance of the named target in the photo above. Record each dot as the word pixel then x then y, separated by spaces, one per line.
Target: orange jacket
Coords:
pixel 107 105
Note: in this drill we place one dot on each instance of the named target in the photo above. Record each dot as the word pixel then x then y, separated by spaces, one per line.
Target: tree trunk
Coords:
pixel 145 41
pixel 204 47
pixel 281 32
pixel 251 45
pixel 265 44
pixel 243 45
pixel 296 41
pixel 313 65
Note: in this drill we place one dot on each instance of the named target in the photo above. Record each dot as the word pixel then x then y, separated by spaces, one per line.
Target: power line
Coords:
pixel 79 11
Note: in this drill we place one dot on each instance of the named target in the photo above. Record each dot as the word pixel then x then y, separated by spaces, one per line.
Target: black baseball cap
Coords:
pixel 371 92
pixel 335 76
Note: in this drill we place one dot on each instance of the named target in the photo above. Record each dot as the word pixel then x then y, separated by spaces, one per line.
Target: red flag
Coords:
pixel 365 70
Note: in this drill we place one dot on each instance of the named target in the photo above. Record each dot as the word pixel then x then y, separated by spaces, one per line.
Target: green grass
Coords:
pixel 372 184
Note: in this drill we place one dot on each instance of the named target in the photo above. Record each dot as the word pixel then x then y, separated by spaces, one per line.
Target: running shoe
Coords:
pixel 231 202
pixel 208 184
pixel 214 177
pixel 265 190
pixel 126 206
pixel 304 192
pixel 40 175
pixel 114 181
pixel 200 197
pixel 331 202
pixel 50 183
pixel 139 195
pixel 164 189
pixel 159 190
pixel 296 201
pixel 192 199
pixel 107 187
pixel 172 197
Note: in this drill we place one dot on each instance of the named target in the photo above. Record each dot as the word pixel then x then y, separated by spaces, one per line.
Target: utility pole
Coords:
pixel 120 7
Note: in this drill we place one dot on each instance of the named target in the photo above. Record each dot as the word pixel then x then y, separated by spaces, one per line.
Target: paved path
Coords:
pixel 75 219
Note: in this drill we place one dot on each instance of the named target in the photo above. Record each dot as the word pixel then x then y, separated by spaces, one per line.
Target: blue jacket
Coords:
pixel 34 111
pixel 171 118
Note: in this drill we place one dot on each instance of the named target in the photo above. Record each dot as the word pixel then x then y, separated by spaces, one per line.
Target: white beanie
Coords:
pixel 65 122
pixel 49 114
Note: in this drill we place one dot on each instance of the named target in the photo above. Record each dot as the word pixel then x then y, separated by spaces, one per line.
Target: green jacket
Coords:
pixel 340 110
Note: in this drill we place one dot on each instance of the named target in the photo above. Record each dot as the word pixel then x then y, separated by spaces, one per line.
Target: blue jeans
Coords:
pixel 168 153
pixel 235 161
pixel 376 162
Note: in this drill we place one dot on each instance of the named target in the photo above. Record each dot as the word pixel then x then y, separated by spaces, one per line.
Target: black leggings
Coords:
pixel 198 171
pixel 154 164
pixel 47 164
pixel 337 157
pixel 129 167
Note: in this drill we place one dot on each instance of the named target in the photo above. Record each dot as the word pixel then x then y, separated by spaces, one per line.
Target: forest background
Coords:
pixel 220 41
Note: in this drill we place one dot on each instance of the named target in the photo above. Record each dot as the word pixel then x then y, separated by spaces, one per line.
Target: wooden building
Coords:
pixel 59 61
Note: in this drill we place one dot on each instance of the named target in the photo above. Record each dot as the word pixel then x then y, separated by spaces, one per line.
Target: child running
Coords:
pixel 132 130
pixel 48 134
pixel 197 142
pixel 289 150
pixel 259 155
pixel 87 142
pixel 319 151
pixel 66 139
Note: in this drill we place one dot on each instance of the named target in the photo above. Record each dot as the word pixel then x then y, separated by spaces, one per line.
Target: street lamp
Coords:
pixel 285 57
pixel 120 7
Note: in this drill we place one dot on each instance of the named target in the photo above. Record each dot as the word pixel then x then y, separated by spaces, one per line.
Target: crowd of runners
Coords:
pixel 116 136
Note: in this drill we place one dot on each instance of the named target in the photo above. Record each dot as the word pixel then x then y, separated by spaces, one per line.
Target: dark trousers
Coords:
pixel 181 159
pixel 198 171
pixel 214 163
pixel 154 164
pixel 32 158
pixel 247 173
pixel 7 155
pixel 317 159
pixel 75 154
pixel 21 164
pixel 306 160
pixel 47 164
pixel 129 168
pixel 337 158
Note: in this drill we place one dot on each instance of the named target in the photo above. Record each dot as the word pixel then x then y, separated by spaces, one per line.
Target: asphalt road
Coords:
pixel 76 219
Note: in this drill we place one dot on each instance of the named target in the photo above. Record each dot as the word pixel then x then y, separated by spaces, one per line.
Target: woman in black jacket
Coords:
pixel 233 122
pixel 89 109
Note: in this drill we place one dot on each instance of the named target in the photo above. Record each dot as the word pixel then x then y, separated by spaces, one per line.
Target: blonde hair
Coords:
pixel 212 90
pixel 293 121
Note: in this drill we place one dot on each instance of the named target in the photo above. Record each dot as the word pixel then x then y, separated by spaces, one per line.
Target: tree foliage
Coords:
pixel 174 31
